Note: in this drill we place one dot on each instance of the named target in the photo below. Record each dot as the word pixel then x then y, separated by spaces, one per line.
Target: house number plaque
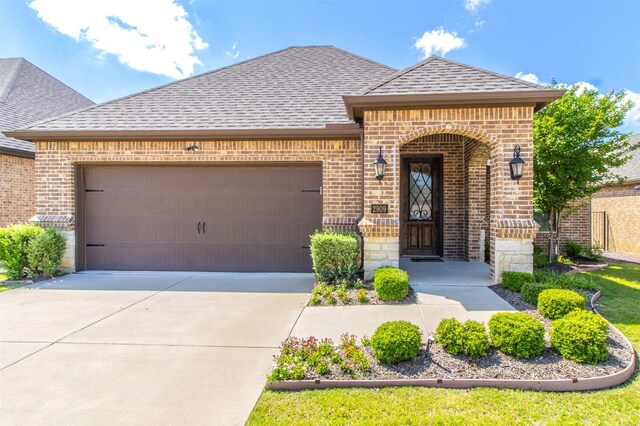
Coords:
pixel 379 208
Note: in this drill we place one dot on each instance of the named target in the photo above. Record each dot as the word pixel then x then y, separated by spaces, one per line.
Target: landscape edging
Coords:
pixel 559 385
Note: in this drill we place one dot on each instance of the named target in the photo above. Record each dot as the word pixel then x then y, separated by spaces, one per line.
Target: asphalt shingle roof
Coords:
pixel 295 88
pixel 631 169
pixel 439 75
pixel 29 95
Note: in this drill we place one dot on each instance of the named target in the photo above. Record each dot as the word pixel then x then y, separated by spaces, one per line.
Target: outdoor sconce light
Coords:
pixel 192 148
pixel 516 165
pixel 380 165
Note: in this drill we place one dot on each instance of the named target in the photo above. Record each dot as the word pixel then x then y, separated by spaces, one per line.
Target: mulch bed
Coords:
pixel 581 264
pixel 372 296
pixel 437 363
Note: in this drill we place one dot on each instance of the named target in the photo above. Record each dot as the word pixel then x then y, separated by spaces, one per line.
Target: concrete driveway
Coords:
pixel 143 348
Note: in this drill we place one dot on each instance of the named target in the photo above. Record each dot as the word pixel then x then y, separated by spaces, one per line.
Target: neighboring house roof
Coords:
pixel 296 92
pixel 631 169
pixel 29 95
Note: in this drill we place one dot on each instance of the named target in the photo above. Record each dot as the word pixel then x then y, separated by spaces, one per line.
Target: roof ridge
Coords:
pixel 399 74
pixel 152 89
pixel 506 77
pixel 12 80
pixel 56 79
pixel 355 55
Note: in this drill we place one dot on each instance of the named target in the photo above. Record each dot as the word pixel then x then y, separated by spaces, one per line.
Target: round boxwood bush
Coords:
pixel 469 338
pixel 516 334
pixel 580 336
pixel 531 291
pixel 391 283
pixel 556 303
pixel 396 341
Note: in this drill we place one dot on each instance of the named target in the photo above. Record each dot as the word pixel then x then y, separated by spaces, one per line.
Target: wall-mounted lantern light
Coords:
pixel 516 165
pixel 380 165
pixel 192 148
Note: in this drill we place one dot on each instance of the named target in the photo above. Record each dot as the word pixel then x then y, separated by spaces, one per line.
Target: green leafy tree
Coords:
pixel 577 143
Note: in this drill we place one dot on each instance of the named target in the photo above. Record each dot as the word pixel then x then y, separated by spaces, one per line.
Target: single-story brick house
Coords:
pixel 616 211
pixel 27 95
pixel 232 170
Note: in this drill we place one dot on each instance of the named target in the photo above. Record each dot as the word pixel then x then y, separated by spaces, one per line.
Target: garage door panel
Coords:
pixel 257 218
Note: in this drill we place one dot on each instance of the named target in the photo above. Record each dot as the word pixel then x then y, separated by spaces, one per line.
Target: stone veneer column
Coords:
pixel 381 244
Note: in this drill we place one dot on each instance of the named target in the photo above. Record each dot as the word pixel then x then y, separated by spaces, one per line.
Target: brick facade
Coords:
pixel 467 138
pixel 17 201
pixel 622 206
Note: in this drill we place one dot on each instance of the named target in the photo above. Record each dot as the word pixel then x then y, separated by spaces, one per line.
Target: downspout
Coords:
pixel 361 216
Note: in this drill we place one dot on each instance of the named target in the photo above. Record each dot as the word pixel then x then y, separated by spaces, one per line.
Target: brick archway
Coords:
pixel 470 132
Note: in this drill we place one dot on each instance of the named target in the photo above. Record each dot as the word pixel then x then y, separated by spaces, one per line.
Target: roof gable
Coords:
pixel 29 95
pixel 631 169
pixel 439 75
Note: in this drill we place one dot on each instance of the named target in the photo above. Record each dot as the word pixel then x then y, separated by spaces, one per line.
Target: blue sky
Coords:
pixel 111 48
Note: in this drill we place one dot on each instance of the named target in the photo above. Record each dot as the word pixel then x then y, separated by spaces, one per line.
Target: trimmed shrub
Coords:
pixel 469 338
pixel 572 249
pixel 335 256
pixel 516 334
pixel 45 252
pixel 531 291
pixel 581 337
pixel 556 303
pixel 14 248
pixel 391 283
pixel 514 280
pixel 396 341
pixel 540 258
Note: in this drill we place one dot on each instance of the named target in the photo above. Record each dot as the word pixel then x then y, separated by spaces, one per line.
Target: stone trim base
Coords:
pixel 379 252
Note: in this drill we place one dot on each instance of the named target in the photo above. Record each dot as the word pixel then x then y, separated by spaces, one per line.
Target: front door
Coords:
pixel 421 206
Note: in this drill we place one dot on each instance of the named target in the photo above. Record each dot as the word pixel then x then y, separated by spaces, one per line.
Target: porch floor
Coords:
pixel 448 273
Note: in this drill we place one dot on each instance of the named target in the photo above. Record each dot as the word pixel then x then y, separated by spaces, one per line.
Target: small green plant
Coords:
pixel 45 252
pixel 362 296
pixel 315 300
pixel 573 249
pixel 15 241
pixel 514 280
pixel 343 295
pixel 331 299
pixel 335 255
pixel 396 341
pixel 391 283
pixel 531 291
pixel 594 252
pixel 566 281
pixel 565 260
pixel 516 334
pixel 358 284
pixel 556 303
pixel 322 368
pixel 540 258
pixel 581 337
pixel 468 338
pixel 365 341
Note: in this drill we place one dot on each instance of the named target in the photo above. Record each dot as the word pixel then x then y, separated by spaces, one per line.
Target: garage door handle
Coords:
pixel 198 227
pixel 204 227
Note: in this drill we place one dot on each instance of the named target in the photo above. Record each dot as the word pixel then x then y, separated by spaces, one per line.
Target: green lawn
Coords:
pixel 620 303
pixel 4 286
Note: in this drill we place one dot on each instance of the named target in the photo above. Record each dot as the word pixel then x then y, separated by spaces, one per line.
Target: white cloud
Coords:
pixel 473 5
pixel 531 78
pixel 147 35
pixel 633 116
pixel 440 41
pixel 234 52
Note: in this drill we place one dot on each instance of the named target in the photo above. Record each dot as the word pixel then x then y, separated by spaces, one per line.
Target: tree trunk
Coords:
pixel 550 245
pixel 557 252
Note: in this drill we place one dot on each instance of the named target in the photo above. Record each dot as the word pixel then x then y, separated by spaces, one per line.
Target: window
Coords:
pixel 420 191
pixel 543 220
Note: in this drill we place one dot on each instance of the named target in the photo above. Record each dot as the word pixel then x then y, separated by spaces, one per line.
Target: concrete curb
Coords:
pixel 590 269
pixel 560 385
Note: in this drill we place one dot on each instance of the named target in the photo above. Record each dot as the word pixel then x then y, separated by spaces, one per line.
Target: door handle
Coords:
pixel 198 227
pixel 204 227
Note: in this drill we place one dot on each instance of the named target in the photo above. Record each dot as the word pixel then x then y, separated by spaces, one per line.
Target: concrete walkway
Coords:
pixel 443 289
pixel 143 348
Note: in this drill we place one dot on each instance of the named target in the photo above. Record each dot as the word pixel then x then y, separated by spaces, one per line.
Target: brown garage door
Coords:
pixel 223 218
